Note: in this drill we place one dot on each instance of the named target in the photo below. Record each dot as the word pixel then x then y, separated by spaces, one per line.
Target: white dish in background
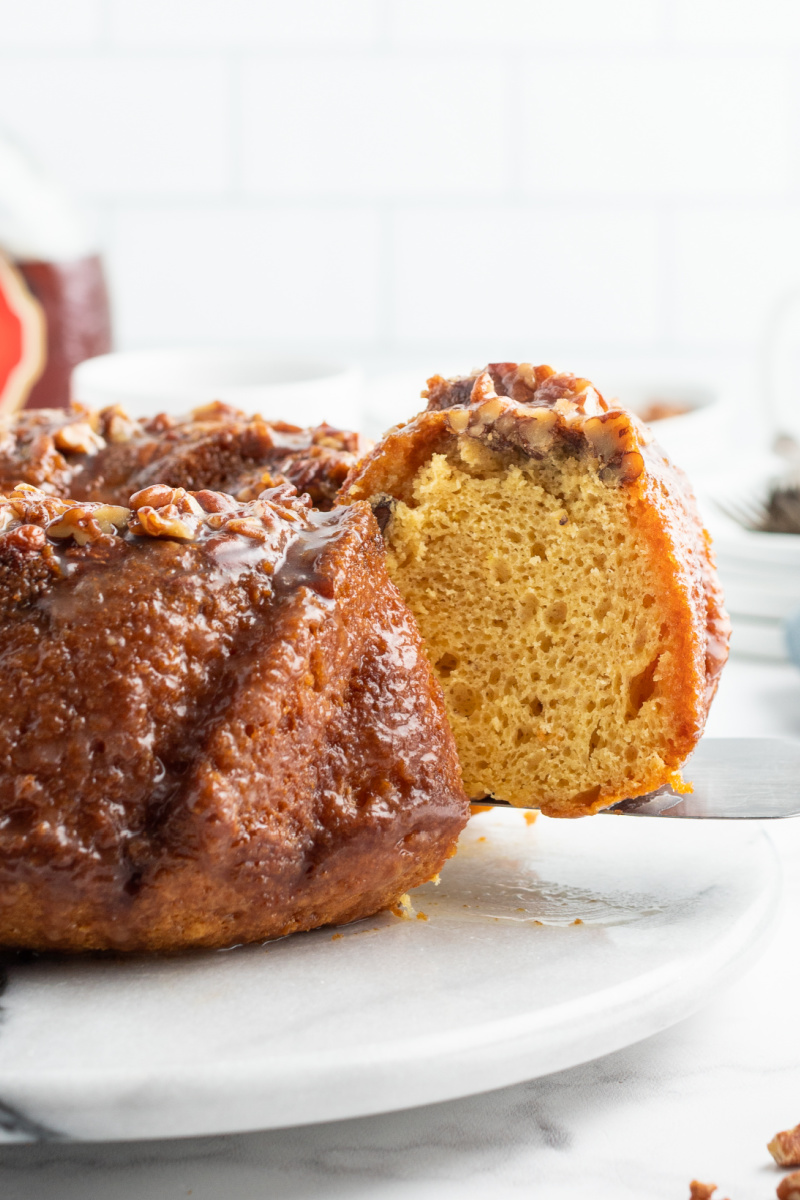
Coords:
pixel 760 572
pixel 749 597
pixel 641 394
pixel 758 637
pixel 303 391
pixel 391 1013
pixel 779 553
pixel 685 437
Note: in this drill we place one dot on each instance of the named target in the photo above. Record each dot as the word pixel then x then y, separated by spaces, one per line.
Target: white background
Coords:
pixel 578 181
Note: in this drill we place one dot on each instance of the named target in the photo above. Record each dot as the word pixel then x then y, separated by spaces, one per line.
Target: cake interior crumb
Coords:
pixel 534 591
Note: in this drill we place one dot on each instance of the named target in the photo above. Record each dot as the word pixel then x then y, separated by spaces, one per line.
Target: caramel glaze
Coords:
pixel 534 411
pixel 105 455
pixel 238 736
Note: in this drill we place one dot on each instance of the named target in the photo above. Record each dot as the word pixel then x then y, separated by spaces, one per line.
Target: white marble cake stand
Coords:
pixel 392 1013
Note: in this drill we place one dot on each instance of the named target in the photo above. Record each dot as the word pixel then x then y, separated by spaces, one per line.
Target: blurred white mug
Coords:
pixel 303 391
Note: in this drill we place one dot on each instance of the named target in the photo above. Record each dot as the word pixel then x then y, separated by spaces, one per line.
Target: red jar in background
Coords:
pixel 74 301
pixel 54 307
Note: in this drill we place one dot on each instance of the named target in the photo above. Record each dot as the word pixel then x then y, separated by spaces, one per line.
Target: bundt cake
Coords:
pixel 105 455
pixel 218 723
pixel 562 582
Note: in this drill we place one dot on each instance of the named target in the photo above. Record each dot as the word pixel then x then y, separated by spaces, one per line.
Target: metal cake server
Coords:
pixel 735 779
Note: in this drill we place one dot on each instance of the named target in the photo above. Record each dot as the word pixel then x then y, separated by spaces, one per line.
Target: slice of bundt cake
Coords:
pixel 562 582
pixel 105 455
pixel 218 723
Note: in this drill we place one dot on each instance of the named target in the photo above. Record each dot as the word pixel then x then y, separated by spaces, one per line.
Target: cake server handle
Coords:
pixel 734 779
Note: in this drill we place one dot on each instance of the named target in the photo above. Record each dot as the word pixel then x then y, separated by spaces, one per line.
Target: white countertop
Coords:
pixel 698 1101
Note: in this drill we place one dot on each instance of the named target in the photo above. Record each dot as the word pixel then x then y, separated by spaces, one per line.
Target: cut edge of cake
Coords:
pixel 562 581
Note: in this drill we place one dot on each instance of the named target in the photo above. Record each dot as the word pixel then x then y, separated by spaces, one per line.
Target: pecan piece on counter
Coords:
pixel 789 1188
pixel 701 1191
pixel 785 1147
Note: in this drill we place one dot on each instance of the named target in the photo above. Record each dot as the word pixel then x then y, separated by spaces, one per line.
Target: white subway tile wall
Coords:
pixel 659 126
pixel 379 126
pixel 742 22
pixel 241 24
pixel 730 269
pixel 540 176
pixel 526 275
pixel 42 24
pixel 235 273
pixel 530 23
pixel 120 126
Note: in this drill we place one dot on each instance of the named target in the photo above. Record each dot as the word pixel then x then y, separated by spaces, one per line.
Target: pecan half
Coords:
pixel 78 438
pixel 789 1188
pixel 88 522
pixel 785 1147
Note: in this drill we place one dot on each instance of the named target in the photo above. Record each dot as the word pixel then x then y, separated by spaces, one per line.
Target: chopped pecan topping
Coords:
pixel 28 505
pixel 629 467
pixel 160 423
pixel 609 435
pixel 522 382
pixel 785 1147
pixel 538 430
pixel 156 496
pixel 26 538
pixel 483 393
pixel 532 407
pixel 216 410
pixel 215 502
pixel 252 490
pixel 490 410
pixel 458 419
pixel 344 440
pixel 78 438
pixel 257 439
pixel 525 375
pixel 328 443
pixel 164 522
pixel 80 452
pixel 115 425
pixel 165 512
pixel 89 522
pixel 247 527
pixel 161 511
pixel 30 517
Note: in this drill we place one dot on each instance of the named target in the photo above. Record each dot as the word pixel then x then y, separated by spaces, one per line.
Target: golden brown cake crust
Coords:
pixel 105 455
pixel 537 413
pixel 218 724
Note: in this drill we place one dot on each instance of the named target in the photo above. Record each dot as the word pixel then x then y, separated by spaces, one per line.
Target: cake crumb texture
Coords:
pixel 568 653
pixel 562 580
